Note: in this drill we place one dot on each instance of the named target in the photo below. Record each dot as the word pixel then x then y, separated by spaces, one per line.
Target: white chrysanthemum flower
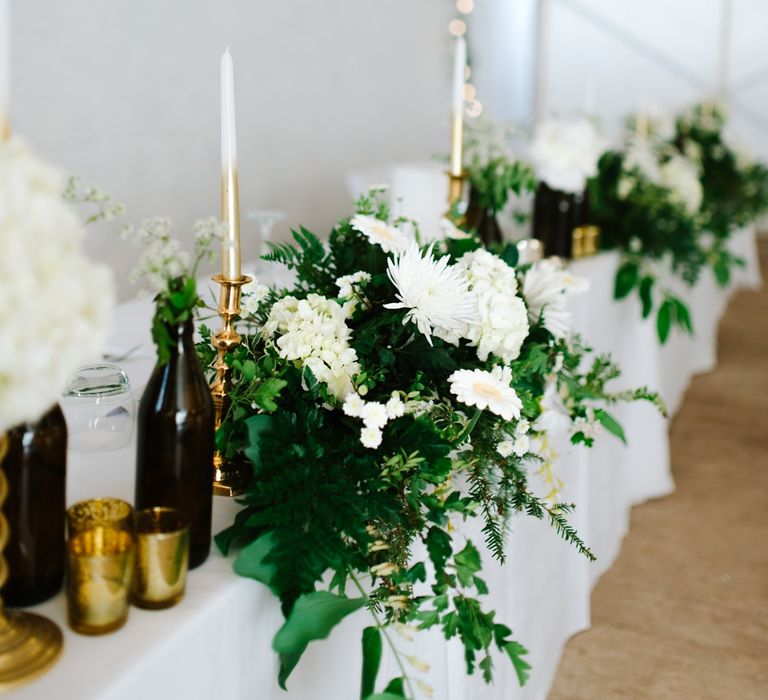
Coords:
pixel 374 415
pixel 370 437
pixel 502 319
pixel 55 304
pixel 313 332
pixel 353 405
pixel 546 288
pixel 487 390
pixel 565 153
pixel 505 447
pixel 681 177
pixel 523 425
pixel 390 238
pixel 395 407
pixel 434 292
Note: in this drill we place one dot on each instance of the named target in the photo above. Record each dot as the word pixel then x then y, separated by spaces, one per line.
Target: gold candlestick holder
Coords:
pixel 29 643
pixel 456 195
pixel 230 476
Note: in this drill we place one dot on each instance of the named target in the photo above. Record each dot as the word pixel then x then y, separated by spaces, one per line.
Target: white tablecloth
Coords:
pixel 216 643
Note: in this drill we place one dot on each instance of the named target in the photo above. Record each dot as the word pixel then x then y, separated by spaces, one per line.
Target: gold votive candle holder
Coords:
pixel 162 558
pixel 591 240
pixel 578 237
pixel 99 512
pixel 99 579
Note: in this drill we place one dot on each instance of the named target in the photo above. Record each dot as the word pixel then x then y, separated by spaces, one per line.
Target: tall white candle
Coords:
pixel 5 69
pixel 459 71
pixel 230 205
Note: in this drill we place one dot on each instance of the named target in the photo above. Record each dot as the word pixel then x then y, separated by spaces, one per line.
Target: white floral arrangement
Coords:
pixel 55 303
pixel 565 153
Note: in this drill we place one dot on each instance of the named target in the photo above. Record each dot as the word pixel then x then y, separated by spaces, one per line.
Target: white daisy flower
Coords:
pixel 390 238
pixel 374 415
pixel 353 405
pixel 505 447
pixel 395 407
pixel 370 437
pixel 487 390
pixel 435 293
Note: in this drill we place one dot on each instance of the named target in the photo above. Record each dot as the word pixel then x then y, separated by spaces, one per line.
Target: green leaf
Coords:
pixel 683 316
pixel 516 651
pixel 722 272
pixel 371 660
pixel 251 562
pixel 249 370
pixel 610 424
pixel 468 563
pixel 267 392
pixel 645 289
pixel 626 279
pixel 439 547
pixel 664 320
pixel 385 696
pixel 312 617
pixel 510 254
pixel 396 687
pixel 287 664
pixel 256 426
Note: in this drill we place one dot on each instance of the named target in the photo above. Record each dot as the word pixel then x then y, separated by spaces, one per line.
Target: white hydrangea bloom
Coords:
pixel 681 177
pixel 347 283
pixel 253 294
pixel 502 324
pixel 565 153
pixel 313 332
pixel 46 280
pixel 640 156
pixel 546 288
pixel 390 238
pixel 435 293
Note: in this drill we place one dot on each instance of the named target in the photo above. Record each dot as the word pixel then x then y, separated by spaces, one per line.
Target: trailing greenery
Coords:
pixel 674 203
pixel 333 521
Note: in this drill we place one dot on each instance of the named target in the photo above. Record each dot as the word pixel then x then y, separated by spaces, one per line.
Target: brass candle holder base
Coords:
pixel 230 477
pixel 29 643
pixel 456 195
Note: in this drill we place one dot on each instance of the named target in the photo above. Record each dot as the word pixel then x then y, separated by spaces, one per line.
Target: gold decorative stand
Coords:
pixel 456 194
pixel 230 478
pixel 29 644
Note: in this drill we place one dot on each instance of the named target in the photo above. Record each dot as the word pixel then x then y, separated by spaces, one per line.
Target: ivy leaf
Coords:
pixel 251 561
pixel 468 563
pixel 516 651
pixel 312 617
pixel 664 320
pixel 486 666
pixel 371 660
pixel 439 547
pixel 610 424
pixel 646 286
pixel 626 279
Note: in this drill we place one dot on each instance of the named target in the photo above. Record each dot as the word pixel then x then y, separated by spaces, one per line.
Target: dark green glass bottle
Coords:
pixel 35 467
pixel 174 461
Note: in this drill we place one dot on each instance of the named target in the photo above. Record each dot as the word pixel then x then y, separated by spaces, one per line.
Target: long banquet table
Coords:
pixel 216 643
